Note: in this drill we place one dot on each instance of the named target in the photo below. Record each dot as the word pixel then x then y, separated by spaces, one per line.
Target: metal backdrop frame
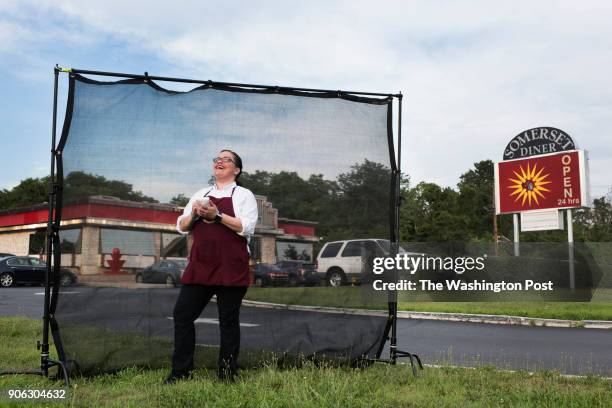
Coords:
pixel 52 272
pixel 55 207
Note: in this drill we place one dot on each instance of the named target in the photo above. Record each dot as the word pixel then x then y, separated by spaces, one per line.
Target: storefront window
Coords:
pixel 129 242
pixel 70 241
pixel 255 248
pixel 286 251
pixel 174 245
pixel 37 243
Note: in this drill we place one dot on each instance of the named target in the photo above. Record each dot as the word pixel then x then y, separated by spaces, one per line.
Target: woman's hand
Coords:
pixel 207 212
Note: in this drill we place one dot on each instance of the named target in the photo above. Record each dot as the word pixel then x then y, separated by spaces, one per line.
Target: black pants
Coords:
pixel 191 302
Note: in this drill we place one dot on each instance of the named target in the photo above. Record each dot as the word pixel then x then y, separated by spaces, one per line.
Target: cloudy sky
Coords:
pixel 474 73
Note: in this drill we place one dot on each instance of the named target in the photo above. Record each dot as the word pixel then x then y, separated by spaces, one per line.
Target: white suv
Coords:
pixel 341 262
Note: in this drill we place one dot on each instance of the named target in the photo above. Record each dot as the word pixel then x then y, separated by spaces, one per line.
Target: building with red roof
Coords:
pixel 143 232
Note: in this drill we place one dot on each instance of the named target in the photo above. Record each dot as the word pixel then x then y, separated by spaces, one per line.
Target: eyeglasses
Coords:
pixel 223 160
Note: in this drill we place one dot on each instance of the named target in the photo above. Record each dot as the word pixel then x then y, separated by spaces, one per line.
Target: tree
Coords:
pixel 600 228
pixel 362 205
pixel 287 190
pixel 295 197
pixel 80 184
pixel 28 192
pixel 431 213
pixel 356 204
pixel 595 223
pixel 33 191
pixel 257 182
pixel 179 200
pixel 476 199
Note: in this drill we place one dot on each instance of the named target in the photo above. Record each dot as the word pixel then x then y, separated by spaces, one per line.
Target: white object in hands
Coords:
pixel 204 202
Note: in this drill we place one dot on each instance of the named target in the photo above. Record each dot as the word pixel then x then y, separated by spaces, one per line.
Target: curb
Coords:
pixel 452 317
pixel 320 309
pixel 507 320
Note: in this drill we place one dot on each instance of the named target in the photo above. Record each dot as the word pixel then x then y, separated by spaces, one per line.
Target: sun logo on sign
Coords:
pixel 528 185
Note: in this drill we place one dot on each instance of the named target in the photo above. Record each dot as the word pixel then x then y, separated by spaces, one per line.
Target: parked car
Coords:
pixel 5 255
pixel 17 270
pixel 269 275
pixel 300 272
pixel 168 271
pixel 341 262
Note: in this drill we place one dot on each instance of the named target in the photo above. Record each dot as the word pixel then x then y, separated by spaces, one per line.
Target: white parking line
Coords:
pixel 42 293
pixel 207 320
pixel 207 345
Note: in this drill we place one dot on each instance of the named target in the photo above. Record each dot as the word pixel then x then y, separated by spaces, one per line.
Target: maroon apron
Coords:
pixel 219 256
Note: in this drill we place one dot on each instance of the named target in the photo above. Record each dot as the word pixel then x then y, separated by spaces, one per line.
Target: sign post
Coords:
pixel 570 249
pixel 515 223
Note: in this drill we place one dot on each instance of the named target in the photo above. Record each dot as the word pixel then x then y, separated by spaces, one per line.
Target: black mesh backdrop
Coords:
pixel 320 165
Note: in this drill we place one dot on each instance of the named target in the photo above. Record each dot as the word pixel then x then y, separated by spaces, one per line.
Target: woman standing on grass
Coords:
pixel 221 218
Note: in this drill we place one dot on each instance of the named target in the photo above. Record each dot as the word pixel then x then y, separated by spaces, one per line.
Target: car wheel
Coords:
pixel 139 278
pixel 335 278
pixel 259 282
pixel 7 280
pixel 65 280
pixel 170 281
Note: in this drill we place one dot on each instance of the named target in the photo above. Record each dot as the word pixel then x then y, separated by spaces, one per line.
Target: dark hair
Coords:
pixel 237 162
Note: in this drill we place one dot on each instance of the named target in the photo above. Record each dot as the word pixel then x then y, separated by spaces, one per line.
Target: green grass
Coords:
pixel 361 298
pixel 377 386
pixel 353 297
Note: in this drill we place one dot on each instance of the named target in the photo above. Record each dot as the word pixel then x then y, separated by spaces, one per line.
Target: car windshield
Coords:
pixel 385 244
pixel 181 263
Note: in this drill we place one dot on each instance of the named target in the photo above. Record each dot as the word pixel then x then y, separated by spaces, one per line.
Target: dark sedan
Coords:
pixel 168 271
pixel 269 275
pixel 16 270
pixel 5 255
pixel 300 272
